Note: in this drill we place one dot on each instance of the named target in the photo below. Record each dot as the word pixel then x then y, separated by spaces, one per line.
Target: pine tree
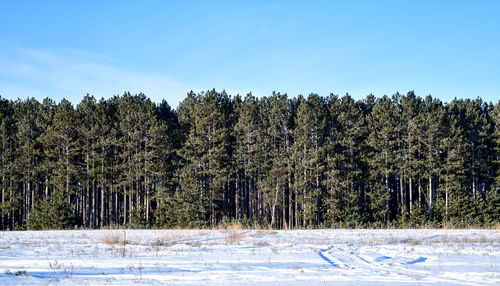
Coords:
pixel 248 159
pixel 51 213
pixel 44 122
pixel 167 138
pixel 411 115
pixel 28 152
pixel 276 151
pixel 434 132
pixel 207 154
pixel 7 171
pixel 87 134
pixel 310 136
pixel 60 140
pixel 383 144
pixel 491 212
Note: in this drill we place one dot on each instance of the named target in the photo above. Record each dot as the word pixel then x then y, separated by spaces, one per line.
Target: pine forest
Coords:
pixel 275 161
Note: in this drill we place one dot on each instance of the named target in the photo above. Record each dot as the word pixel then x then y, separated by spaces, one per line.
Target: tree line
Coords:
pixel 273 161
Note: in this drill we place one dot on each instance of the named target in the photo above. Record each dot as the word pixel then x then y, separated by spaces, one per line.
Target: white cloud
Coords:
pixel 71 74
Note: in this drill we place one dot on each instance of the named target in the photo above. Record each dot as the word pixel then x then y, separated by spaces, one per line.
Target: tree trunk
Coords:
pixel 318 200
pixel 296 215
pixel 474 185
pixel 125 206
pixel 250 198
pixel 94 207
pixel 130 201
pixel 46 187
pixel 32 191
pixel 304 212
pixel 84 207
pixel 430 196
pixel 411 193
pixel 117 210
pixel 67 174
pixel 290 214
pixel 387 203
pixel 283 210
pixel 419 193
pixel 28 198
pixel 110 204
pixel 103 192
pixel 23 207
pixel 3 201
pixel 11 200
pixel 275 202
pixel 401 194
pixel 446 205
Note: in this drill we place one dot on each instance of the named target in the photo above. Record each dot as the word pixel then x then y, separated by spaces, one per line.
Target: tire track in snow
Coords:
pixel 397 267
pixel 343 258
pixel 320 253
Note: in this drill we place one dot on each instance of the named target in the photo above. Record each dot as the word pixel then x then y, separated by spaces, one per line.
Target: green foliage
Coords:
pixel 137 219
pixel 275 161
pixel 165 216
pixel 462 211
pixel 51 213
pixel 490 207
pixel 417 218
pixel 379 204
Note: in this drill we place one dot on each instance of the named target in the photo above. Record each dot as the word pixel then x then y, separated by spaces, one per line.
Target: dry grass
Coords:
pixel 113 238
pixel 233 233
pixel 230 227
pixel 496 226
pixel 233 236
pixel 119 237
pixel 471 239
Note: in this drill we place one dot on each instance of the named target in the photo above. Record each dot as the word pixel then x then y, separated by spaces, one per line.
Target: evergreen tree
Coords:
pixel 279 162
pixel 87 134
pixel 248 159
pixel 275 151
pixel 207 154
pixel 28 152
pixel 51 213
pixel 60 148
pixel 7 170
pixel 309 144
pixel 382 158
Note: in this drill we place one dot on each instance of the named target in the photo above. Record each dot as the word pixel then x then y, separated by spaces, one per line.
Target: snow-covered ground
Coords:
pixel 251 257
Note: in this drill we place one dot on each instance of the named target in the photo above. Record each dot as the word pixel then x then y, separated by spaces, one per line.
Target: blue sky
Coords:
pixel 65 49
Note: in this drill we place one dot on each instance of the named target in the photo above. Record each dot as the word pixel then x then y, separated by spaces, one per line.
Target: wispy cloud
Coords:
pixel 71 74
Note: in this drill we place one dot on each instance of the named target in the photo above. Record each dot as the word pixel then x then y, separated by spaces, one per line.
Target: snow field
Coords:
pixel 250 257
